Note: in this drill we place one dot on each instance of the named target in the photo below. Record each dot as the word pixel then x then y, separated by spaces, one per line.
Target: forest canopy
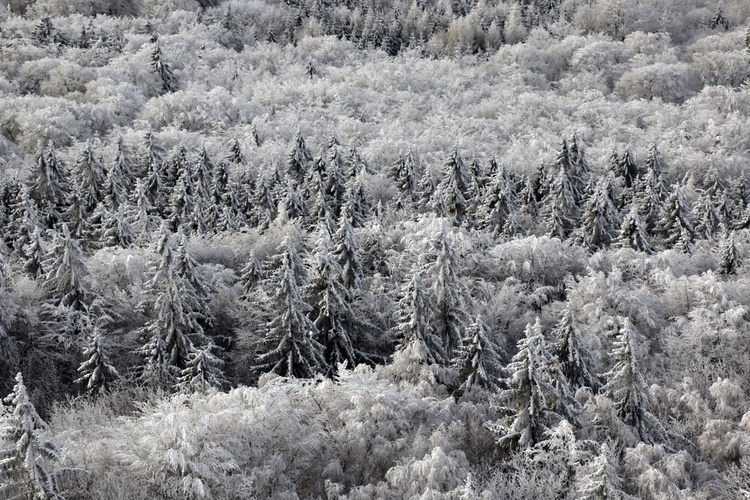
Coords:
pixel 368 249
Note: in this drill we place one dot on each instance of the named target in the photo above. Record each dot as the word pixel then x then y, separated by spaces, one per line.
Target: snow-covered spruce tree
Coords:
pixel 454 186
pixel 174 331
pixel 536 397
pixel 264 205
pixel 88 176
pixel 497 212
pixel 187 268
pixel 599 478
pixel 291 348
pixel 627 168
pixel 299 160
pixel 163 69
pixel 414 323
pixel 628 390
pixel 479 359
pixel 705 215
pixel 729 256
pixel 119 180
pixel 599 220
pixel 143 223
pixel 356 204
pixel 450 295
pixel 114 228
pixel 674 225
pixel 202 175
pixel 404 174
pixel 565 162
pixel 252 275
pixel 574 359
pixel 633 233
pixel 294 203
pixel 202 371
pixel 49 185
pixel 182 204
pixel 34 254
pixel 23 469
pixel 24 220
pixel 345 253
pixel 97 374
pixel 65 272
pixel 647 197
pixel 559 208
pixel 347 338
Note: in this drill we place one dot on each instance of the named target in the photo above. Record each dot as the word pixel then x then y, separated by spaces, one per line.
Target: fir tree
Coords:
pixel 414 323
pixel 118 182
pixel 674 225
pixel 252 274
pixel 202 370
pixel 719 20
pixel 455 184
pixel 633 233
pixel 163 70
pixel 705 214
pixel 346 254
pixel 729 256
pixel 599 478
pixel 498 210
pixel 89 178
pixel 142 223
pixel 23 473
pixel 65 272
pixel 48 185
pixel 298 160
pixel 356 204
pixel 574 359
pixel 34 255
pixel 599 220
pixel 628 389
pixel 97 374
pixel 559 207
pixel 529 398
pixel 293 350
pixel 479 359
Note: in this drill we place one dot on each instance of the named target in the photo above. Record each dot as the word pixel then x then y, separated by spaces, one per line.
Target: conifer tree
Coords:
pixel 24 220
pixel 628 389
pixel 599 478
pixel 627 168
pixel 23 473
pixel 647 197
pixel 574 359
pixel 153 155
pixel 293 350
pixel 559 207
pixel 202 370
pixel 497 213
pixel 674 225
pixel 414 323
pixel 65 272
pixel 347 338
pixel 530 400
pixel 479 359
pixel 455 184
pixel 49 186
pixel 299 159
pixel 705 214
pixel 264 203
pixel 252 275
pixel 599 220
pixel 34 254
pixel 163 69
pixel 142 223
pixel 356 204
pixel 633 233
pixel 294 204
pixel 97 374
pixel 182 204
pixel 119 180
pixel 346 254
pixel 89 178
pixel 719 20
pixel 729 256
pixel 115 228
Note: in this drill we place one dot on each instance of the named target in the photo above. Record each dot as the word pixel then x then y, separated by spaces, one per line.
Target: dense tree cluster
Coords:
pixel 261 261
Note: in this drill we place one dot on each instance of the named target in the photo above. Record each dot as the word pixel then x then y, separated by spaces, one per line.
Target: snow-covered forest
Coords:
pixel 374 249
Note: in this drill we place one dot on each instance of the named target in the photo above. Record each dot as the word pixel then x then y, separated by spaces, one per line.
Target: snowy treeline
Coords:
pixel 358 249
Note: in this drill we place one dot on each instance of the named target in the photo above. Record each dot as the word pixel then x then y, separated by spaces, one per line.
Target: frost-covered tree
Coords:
pixel 599 219
pixel 49 185
pixel 705 215
pixel 299 159
pixel 23 468
pixel 599 478
pixel 479 359
pixel 291 346
pixel 346 254
pixel 535 397
pixel 675 225
pixel 574 359
pixel 454 186
pixel 356 204
pixel 498 210
pixel 162 69
pixel 119 180
pixel 729 256
pixel 96 372
pixel 251 276
pixel 414 325
pixel 202 371
pixel 627 388
pixel 65 272
pixel 633 233
pixel 347 337
pixel 559 209
pixel 88 176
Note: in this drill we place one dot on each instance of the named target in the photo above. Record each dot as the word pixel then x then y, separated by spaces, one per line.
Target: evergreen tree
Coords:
pixel 414 323
pixel 356 204
pixel 182 204
pixel 294 204
pixel 451 298
pixel 198 287
pixel 599 220
pixel 674 225
pixel 299 159
pixel 202 178
pixel 142 223
pixel 252 274
pixel 729 256
pixel 706 216
pixel 118 182
pixel 719 20
pixel 573 357
pixel 48 185
pixel 115 229
pixel 648 194
pixel 202 370
pixel 65 272
pixel 293 350
pixel 89 178
pixel 163 70
pixel 629 391
pixel 346 254
pixel 153 155
pixel 559 208
pixel 264 204
pixel 599 478
pixel 633 233
pixel 530 400
pixel 478 360
pixel 34 255
pixel 97 374
pixel 347 338
pixel 627 169
pixel 23 473
pixel 455 184
pixel 497 213
pixel 24 220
